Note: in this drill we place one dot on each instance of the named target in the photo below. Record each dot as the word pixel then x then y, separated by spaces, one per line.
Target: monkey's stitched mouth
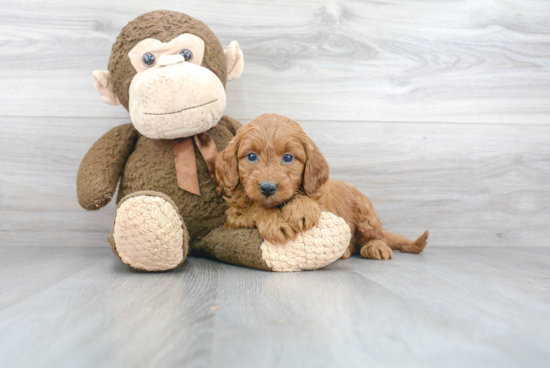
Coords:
pixel 175 112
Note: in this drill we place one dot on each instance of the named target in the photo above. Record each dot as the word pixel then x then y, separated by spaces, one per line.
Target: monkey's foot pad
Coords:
pixel 312 249
pixel 149 234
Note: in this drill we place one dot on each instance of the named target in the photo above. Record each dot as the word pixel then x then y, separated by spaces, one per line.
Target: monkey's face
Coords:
pixel 172 95
pixel 169 70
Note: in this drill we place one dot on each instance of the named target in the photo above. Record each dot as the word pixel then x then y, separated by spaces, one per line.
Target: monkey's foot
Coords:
pixel 149 234
pixel 312 249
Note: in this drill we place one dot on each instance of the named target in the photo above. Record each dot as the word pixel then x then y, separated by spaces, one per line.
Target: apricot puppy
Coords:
pixel 278 181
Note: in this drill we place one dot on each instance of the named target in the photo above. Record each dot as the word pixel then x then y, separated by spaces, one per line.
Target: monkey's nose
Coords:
pixel 268 188
pixel 171 59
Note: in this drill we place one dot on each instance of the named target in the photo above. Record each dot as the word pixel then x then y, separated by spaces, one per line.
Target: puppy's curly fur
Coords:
pixel 274 149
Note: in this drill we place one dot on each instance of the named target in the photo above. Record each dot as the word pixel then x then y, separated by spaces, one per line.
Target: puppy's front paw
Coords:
pixel 303 221
pixel 276 232
pixel 238 221
pixel 302 214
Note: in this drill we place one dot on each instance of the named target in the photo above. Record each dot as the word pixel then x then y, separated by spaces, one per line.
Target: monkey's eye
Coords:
pixel 187 54
pixel 252 157
pixel 149 59
pixel 288 158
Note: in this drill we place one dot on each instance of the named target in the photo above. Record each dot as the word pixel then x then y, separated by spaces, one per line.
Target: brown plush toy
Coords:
pixel 169 71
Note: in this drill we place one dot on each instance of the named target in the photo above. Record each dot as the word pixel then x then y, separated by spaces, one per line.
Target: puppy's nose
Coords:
pixel 268 188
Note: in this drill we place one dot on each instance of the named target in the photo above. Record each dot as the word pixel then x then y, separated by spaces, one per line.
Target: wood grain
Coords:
pixel 453 307
pixel 393 60
pixel 470 184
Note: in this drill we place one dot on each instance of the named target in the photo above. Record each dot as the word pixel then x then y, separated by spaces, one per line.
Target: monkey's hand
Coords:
pixel 302 213
pixel 102 166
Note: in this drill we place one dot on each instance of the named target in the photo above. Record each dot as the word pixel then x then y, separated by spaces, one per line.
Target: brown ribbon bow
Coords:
pixel 186 166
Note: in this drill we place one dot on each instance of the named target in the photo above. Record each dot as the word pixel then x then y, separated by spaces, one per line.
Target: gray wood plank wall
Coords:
pixel 438 111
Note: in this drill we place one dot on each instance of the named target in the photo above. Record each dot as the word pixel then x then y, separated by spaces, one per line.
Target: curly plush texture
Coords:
pixel 149 233
pixel 311 249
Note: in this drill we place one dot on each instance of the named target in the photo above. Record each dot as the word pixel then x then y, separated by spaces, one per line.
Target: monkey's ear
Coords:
pixel 235 61
pixel 102 83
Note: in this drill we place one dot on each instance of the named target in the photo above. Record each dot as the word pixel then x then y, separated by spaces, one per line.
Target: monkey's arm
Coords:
pixel 101 167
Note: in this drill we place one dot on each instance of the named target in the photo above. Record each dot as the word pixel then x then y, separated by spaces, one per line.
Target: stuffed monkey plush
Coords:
pixel 169 71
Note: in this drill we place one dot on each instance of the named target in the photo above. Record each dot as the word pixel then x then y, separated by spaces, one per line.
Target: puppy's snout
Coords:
pixel 268 188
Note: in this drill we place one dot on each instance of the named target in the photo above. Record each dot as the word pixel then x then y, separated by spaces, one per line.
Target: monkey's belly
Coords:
pixel 151 167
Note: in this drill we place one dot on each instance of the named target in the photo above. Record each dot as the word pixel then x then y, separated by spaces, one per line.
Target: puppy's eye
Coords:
pixel 252 157
pixel 149 59
pixel 187 54
pixel 288 158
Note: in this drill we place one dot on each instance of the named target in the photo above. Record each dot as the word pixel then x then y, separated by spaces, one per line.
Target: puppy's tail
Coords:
pixel 396 241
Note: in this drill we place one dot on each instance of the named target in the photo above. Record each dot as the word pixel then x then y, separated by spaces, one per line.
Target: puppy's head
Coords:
pixel 269 160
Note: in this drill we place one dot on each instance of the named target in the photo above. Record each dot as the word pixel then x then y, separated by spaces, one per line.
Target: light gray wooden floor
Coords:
pixel 448 307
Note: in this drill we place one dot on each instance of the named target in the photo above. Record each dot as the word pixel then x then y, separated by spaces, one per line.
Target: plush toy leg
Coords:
pixel 312 249
pixel 149 233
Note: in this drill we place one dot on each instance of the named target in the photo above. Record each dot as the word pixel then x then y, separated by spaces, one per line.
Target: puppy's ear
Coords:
pixel 316 172
pixel 227 166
